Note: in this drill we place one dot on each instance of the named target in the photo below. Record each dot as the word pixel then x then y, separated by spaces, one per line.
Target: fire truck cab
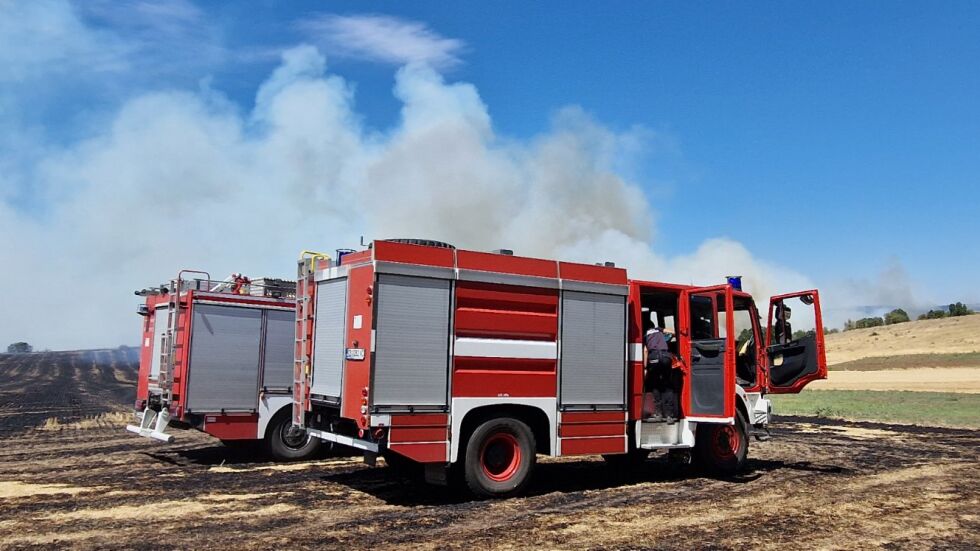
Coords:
pixel 472 363
pixel 217 356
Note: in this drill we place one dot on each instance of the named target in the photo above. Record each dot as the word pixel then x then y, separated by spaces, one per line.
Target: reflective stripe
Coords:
pixel 506 348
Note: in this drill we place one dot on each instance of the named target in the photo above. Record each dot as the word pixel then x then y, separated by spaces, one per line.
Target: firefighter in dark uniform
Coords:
pixel 660 376
pixel 783 330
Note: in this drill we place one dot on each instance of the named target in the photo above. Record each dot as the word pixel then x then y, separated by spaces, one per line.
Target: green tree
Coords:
pixel 20 348
pixel 896 316
pixel 959 309
pixel 864 323
pixel 933 315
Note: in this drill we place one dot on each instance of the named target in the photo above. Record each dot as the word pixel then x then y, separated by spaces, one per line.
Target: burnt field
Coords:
pixel 70 476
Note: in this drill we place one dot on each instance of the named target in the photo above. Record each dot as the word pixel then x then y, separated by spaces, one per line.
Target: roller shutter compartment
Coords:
pixel 280 331
pixel 159 330
pixel 593 350
pixel 411 364
pixel 328 339
pixel 224 361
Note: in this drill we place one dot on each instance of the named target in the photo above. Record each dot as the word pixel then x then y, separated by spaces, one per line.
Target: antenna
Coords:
pixel 362 241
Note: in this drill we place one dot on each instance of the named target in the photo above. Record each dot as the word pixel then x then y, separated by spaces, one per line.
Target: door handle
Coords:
pixel 695 355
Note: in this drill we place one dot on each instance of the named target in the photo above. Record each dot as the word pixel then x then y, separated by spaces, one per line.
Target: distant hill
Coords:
pixel 939 336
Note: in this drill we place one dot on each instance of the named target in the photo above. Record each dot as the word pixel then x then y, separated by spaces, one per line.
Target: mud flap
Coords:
pixel 437 473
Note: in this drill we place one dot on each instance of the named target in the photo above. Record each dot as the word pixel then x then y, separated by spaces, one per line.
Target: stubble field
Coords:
pixel 71 477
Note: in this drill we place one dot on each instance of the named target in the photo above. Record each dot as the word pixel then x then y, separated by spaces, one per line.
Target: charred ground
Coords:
pixel 79 480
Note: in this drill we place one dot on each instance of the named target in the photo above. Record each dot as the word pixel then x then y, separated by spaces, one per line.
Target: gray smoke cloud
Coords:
pixel 186 179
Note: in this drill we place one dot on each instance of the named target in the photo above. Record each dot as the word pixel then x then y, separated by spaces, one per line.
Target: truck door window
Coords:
pixel 793 350
pixel 745 345
pixel 702 318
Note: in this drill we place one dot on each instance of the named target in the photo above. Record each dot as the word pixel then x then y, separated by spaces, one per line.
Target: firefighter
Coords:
pixel 240 284
pixel 660 376
pixel 783 330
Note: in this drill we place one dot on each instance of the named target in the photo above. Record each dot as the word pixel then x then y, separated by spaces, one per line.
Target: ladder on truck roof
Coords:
pixel 302 355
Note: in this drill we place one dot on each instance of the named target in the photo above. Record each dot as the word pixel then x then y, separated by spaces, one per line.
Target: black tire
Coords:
pixel 499 459
pixel 722 449
pixel 284 442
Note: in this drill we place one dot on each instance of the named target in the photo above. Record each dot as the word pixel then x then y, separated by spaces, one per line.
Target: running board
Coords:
pixel 345 440
pixel 657 435
pixel 153 425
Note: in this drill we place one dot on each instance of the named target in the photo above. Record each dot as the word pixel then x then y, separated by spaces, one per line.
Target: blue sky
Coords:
pixel 854 125
pixel 839 141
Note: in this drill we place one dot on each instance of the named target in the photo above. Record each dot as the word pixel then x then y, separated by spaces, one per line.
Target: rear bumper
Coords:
pixel 153 425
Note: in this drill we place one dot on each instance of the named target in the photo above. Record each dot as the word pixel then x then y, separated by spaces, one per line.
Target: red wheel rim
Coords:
pixel 500 456
pixel 726 442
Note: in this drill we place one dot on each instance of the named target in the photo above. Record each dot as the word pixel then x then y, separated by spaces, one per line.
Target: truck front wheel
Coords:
pixel 285 442
pixel 500 456
pixel 722 449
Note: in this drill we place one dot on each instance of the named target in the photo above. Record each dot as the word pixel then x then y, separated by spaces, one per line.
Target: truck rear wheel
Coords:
pixel 285 442
pixel 500 456
pixel 722 449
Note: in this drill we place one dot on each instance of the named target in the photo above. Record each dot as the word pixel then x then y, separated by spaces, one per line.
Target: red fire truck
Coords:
pixel 217 356
pixel 474 362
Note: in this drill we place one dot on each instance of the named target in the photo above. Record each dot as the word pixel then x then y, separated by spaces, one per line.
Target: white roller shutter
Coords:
pixel 159 330
pixel 593 349
pixel 224 360
pixel 280 331
pixel 329 335
pixel 411 364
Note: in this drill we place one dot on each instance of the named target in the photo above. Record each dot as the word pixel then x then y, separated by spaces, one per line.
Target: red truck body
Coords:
pixel 412 351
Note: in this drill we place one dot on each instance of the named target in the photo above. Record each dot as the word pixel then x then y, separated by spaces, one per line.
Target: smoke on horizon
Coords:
pixel 185 179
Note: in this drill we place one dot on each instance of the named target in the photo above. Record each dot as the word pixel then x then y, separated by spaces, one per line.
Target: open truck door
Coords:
pixel 794 360
pixel 709 352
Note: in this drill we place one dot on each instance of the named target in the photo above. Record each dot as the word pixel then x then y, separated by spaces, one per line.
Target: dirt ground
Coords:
pixel 925 379
pixel 80 481
pixel 940 336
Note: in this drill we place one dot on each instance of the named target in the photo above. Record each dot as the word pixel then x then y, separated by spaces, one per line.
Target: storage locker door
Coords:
pixel 593 349
pixel 411 364
pixel 159 330
pixel 224 362
pixel 328 340
pixel 280 332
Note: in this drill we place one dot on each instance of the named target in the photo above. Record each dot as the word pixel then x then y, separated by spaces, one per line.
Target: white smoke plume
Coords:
pixel 185 179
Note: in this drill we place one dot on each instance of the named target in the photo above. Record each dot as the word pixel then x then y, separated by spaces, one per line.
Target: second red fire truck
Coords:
pixel 217 356
pixel 474 363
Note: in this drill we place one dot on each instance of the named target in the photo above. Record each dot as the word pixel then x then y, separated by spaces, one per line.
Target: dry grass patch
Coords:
pixel 103 420
pixel 285 467
pixel 14 489
pixel 216 505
